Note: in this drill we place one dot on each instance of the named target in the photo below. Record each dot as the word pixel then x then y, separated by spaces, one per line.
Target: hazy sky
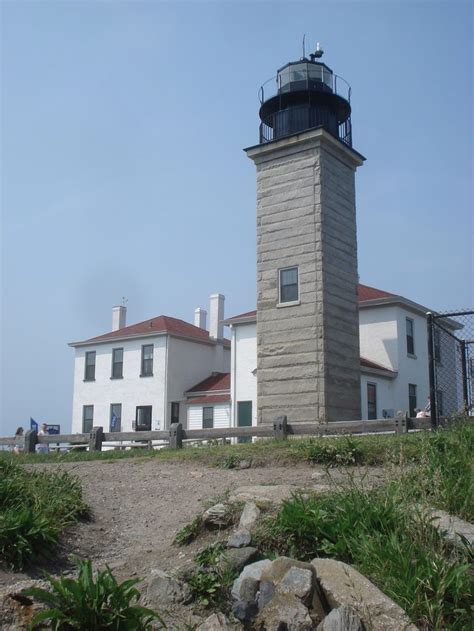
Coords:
pixel 123 173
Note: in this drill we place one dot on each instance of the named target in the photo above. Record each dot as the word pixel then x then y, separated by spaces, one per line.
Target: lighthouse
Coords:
pixel 308 360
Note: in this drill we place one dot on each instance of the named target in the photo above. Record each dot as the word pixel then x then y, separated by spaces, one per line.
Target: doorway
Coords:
pixel 143 418
pixel 244 419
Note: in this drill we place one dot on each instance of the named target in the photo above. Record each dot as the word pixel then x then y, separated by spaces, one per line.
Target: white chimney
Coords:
pixel 119 317
pixel 200 318
pixel 216 316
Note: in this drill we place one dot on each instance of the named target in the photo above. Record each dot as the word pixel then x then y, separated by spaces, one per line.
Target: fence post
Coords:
pixel 176 436
pixel 431 370
pixel 280 429
pixel 95 439
pixel 401 425
pixel 29 441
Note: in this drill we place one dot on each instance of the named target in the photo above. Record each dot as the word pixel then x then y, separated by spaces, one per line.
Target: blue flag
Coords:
pixel 33 425
pixel 113 423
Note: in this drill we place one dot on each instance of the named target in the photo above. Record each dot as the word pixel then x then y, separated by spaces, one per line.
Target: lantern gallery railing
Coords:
pixel 305 77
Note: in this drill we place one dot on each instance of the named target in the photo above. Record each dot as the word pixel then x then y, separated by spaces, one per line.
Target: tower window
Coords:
pixel 288 285
pixel 87 418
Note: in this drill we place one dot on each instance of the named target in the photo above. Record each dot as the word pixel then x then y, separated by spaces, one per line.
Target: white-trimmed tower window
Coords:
pixel 288 285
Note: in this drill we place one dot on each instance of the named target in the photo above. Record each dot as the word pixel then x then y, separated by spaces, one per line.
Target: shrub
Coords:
pixel 342 451
pixel 83 603
pixel 35 508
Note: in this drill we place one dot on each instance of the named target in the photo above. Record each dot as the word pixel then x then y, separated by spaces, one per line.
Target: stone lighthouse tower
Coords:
pixel 308 362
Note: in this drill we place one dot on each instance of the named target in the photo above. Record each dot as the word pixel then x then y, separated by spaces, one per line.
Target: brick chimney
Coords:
pixel 119 317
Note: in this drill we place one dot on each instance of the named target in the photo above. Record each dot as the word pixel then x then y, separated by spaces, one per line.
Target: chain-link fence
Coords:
pixel 451 364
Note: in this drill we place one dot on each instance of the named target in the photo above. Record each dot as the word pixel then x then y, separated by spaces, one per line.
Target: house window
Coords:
pixel 147 360
pixel 410 337
pixel 207 418
pixel 288 285
pixel 175 412
pixel 371 401
pixel 117 363
pixel 439 403
pixel 89 372
pixel 115 417
pixel 87 418
pixel 143 418
pixel 437 345
pixel 412 399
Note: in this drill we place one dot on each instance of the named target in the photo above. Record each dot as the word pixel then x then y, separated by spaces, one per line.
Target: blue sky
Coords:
pixel 123 173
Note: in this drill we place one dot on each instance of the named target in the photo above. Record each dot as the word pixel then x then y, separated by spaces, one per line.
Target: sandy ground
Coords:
pixel 138 506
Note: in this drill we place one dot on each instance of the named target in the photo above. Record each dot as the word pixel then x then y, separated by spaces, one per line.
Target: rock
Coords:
pixel 281 566
pixel 217 516
pixel 453 529
pixel 299 582
pixel 239 539
pixel 249 516
pixel 344 585
pixel 341 619
pixel 254 570
pixel 249 589
pixel 164 589
pixel 218 622
pixel 318 475
pixel 237 558
pixel 274 494
pixel 265 594
pixel 244 610
pixel 285 611
pixel 245 464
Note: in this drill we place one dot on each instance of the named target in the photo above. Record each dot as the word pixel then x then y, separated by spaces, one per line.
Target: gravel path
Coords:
pixel 138 505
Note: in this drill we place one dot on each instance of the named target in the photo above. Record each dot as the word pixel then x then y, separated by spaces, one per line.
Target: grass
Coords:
pixel 35 508
pixel 212 578
pixel 92 604
pixel 365 450
pixel 385 533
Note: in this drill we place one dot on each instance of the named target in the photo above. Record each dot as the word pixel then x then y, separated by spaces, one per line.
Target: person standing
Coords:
pixel 42 448
pixel 17 449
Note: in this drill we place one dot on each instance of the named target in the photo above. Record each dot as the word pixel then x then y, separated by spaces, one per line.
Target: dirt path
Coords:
pixel 138 506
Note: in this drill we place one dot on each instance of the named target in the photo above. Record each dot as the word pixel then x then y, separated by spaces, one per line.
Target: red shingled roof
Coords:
pixel 364 292
pixel 216 398
pixel 217 381
pixel 160 324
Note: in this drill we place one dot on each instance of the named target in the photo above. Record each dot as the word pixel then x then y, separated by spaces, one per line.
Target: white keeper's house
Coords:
pixel 163 370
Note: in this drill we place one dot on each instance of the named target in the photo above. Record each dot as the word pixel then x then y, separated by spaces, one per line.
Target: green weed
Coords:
pixel 212 579
pixel 189 532
pixel 85 603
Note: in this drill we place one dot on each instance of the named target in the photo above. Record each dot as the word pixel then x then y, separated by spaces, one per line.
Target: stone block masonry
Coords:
pixel 307 353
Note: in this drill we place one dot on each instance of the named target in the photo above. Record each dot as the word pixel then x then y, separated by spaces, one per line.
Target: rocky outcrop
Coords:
pixel 249 516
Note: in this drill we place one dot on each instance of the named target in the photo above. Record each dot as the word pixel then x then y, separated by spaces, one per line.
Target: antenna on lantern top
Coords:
pixel 304 50
pixel 318 53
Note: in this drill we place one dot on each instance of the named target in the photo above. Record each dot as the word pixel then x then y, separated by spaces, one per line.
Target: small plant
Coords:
pixel 343 451
pixel 230 461
pixel 85 603
pixel 189 532
pixel 213 577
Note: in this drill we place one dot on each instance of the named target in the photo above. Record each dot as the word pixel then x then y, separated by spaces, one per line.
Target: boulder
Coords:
pixel 265 593
pixel 254 570
pixel 249 589
pixel 341 619
pixel 218 622
pixel 237 558
pixel 239 539
pixel 249 516
pixel 245 464
pixel 278 569
pixel 344 585
pixel 217 516
pixel 284 611
pixel 299 582
pixel 164 589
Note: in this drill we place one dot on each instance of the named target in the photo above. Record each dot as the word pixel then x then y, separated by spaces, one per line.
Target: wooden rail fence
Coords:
pixel 176 435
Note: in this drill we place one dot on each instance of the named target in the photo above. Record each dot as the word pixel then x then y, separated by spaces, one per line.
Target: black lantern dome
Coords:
pixel 305 94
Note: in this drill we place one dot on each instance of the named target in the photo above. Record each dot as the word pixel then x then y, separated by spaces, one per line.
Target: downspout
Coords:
pixel 165 402
pixel 234 376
